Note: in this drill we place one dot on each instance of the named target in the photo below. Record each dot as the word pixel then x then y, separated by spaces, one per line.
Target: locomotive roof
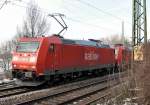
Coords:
pixel 91 42
pixel 84 42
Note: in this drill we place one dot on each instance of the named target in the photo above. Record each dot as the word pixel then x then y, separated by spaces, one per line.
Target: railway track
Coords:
pixel 72 96
pixel 13 91
pixel 8 89
pixel 6 85
pixel 63 94
pixel 98 97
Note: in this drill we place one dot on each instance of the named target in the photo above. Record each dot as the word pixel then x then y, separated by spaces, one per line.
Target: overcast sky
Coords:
pixel 83 21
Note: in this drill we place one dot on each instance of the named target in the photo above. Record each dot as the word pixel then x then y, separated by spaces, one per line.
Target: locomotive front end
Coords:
pixel 24 61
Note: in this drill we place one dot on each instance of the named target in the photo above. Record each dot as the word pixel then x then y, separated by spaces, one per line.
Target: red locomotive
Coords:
pixel 122 56
pixel 43 58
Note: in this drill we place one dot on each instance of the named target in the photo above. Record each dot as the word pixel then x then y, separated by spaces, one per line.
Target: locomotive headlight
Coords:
pixel 15 58
pixel 32 59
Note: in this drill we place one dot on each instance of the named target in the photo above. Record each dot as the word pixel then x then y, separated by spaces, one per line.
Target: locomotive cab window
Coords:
pixel 51 47
pixel 27 46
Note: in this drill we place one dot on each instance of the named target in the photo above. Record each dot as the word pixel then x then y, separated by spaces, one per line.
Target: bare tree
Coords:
pixel 5 54
pixel 116 39
pixel 35 22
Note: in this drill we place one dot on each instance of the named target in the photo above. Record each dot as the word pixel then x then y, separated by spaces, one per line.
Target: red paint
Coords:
pixel 123 55
pixel 63 56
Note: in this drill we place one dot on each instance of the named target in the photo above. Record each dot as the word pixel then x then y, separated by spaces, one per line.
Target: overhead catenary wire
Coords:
pixel 92 14
pixel 47 12
pixel 5 2
pixel 78 20
pixel 100 10
pixel 89 24
pixel 71 19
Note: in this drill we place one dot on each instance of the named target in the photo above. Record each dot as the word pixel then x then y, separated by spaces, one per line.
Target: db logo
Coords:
pixel 91 56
